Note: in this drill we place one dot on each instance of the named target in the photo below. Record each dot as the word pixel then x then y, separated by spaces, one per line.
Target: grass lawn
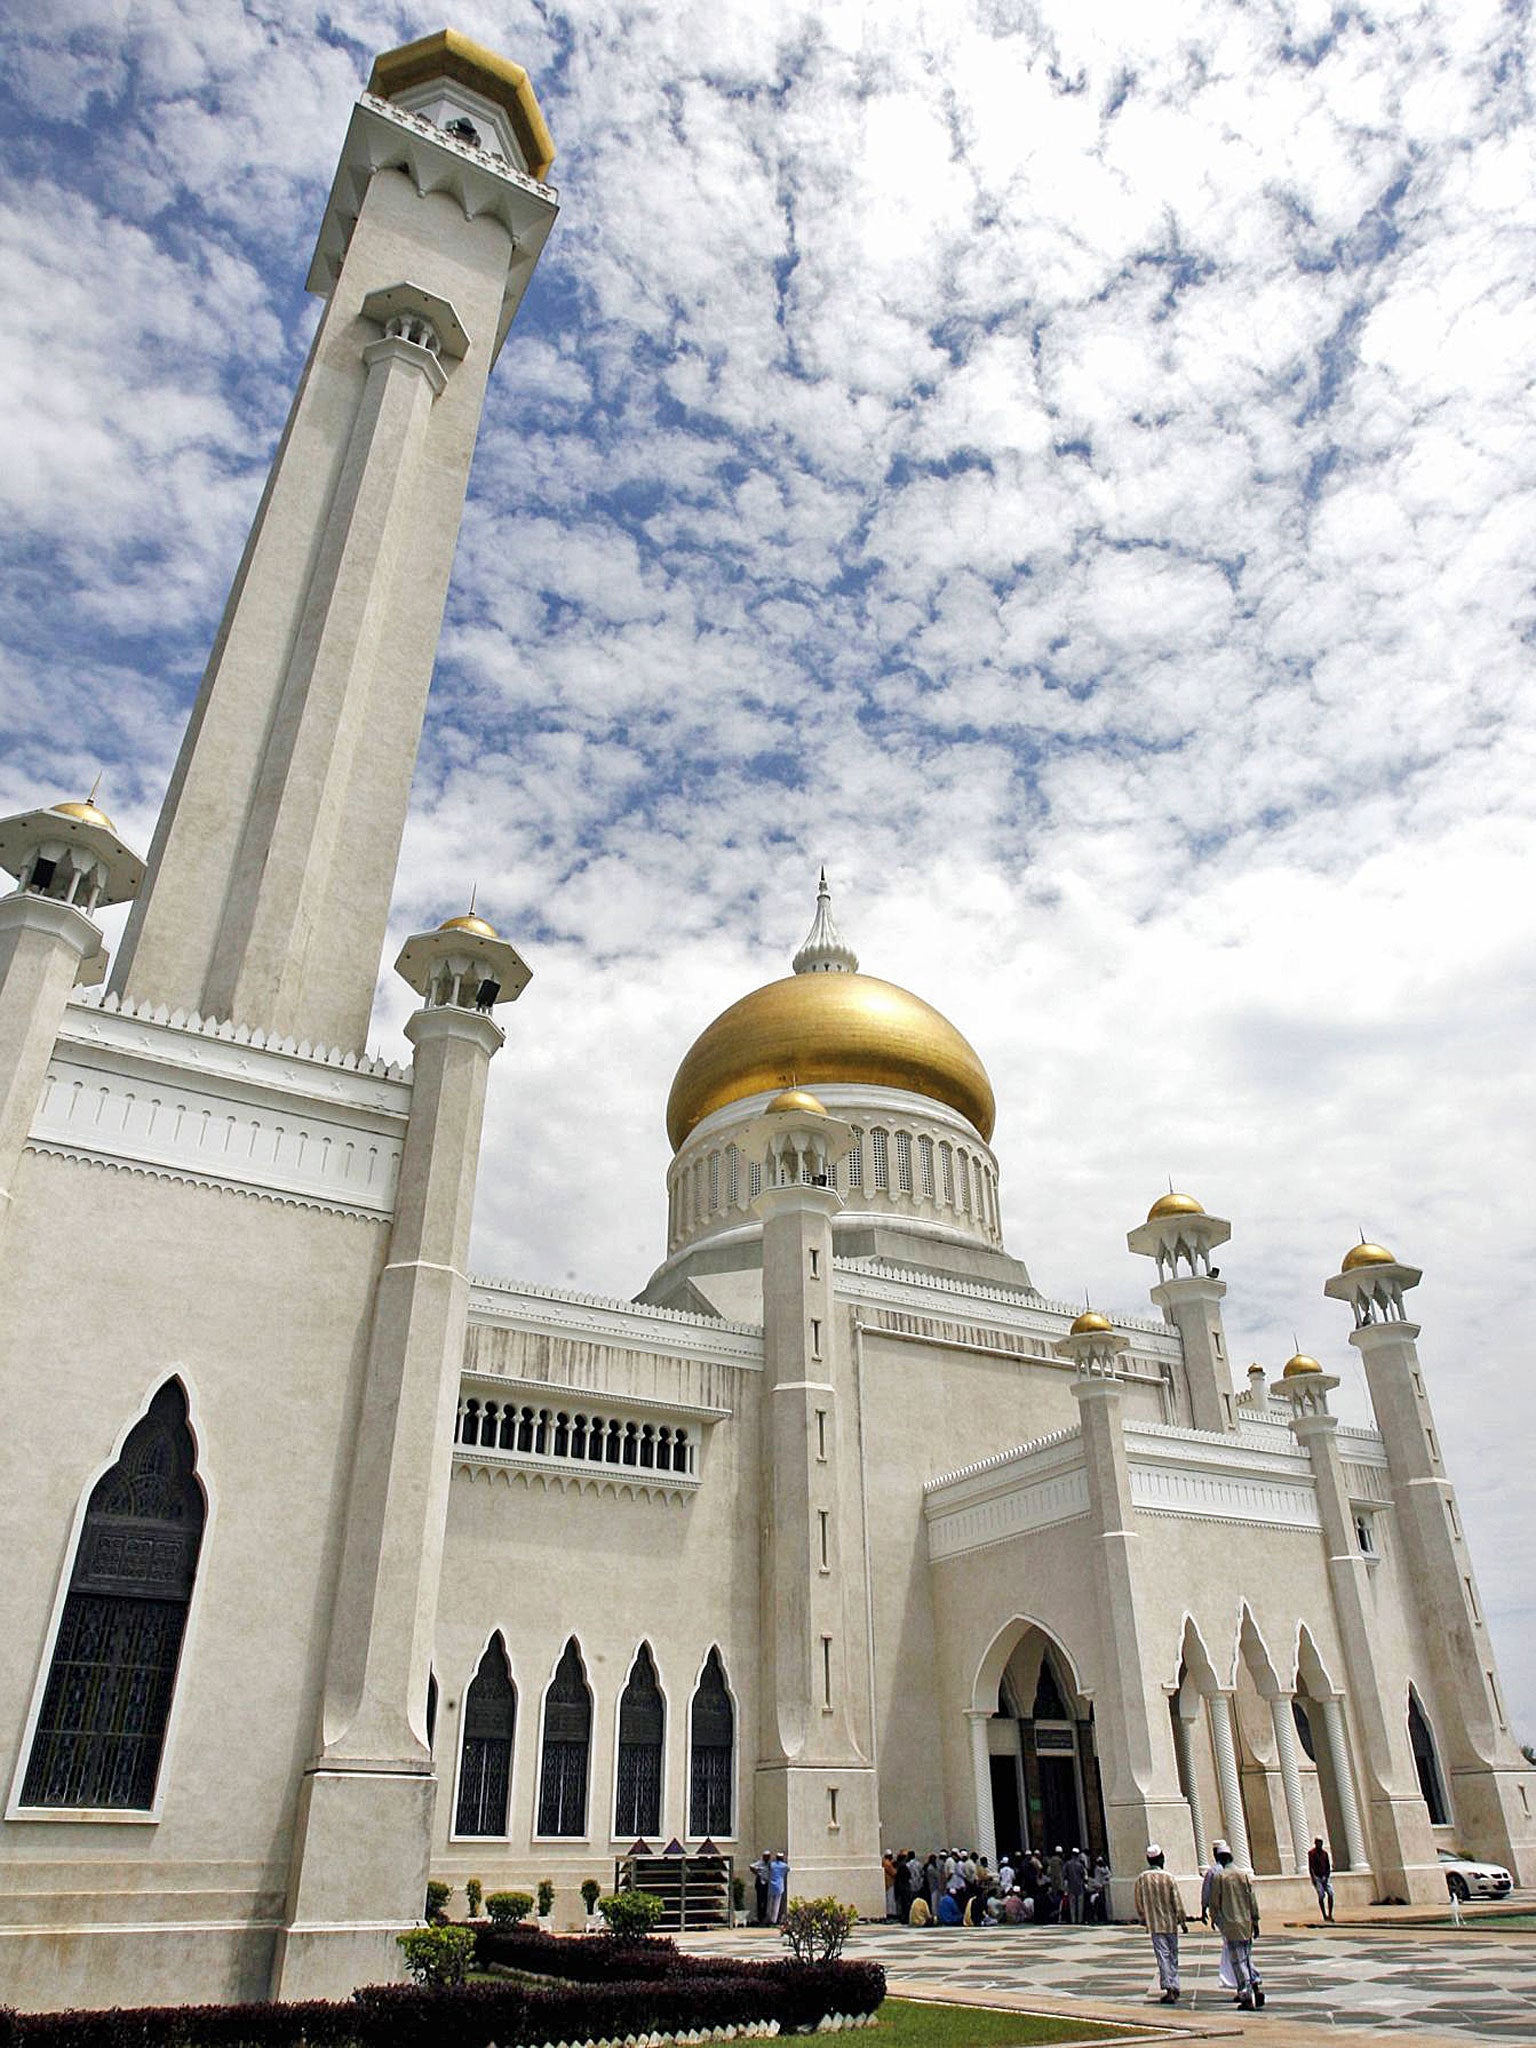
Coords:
pixel 1500 1923
pixel 908 2023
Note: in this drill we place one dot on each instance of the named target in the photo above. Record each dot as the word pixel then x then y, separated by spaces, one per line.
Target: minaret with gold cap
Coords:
pixel 272 865
pixel 1492 1789
pixel 69 863
pixel 1180 1236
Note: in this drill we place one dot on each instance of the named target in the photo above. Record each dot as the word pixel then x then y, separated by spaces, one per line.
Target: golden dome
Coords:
pixel 1302 1362
pixel 87 813
pixel 821 1029
pixel 798 1098
pixel 472 923
pixel 1366 1255
pixel 1090 1324
pixel 1174 1205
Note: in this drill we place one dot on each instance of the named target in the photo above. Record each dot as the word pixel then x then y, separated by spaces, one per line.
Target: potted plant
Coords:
pixel 738 1901
pixel 474 1893
pixel 546 1912
pixel 591 1891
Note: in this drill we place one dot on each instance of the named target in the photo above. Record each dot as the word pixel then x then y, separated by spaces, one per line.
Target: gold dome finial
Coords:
pixel 797 1098
pixel 1298 1364
pixel 1366 1254
pixel 88 813
pixel 1090 1324
pixel 1173 1204
pixel 825 950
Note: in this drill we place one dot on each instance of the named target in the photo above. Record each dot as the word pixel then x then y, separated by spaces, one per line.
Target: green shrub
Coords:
pixel 438 1895
pixel 474 1892
pixel 436 1956
pixel 815 1929
pixel 507 1908
pixel 631 1915
pixel 546 1895
pixel 590 1889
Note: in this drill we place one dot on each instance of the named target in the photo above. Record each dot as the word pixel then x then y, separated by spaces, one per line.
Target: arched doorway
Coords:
pixel 1042 1757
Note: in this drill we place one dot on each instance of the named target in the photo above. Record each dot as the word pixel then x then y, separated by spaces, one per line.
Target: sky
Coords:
pixel 1068 466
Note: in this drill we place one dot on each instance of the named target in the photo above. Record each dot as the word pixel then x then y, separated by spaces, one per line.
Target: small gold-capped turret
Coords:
pixel 1090 1324
pixel 1302 1362
pixel 1364 1254
pixel 1173 1204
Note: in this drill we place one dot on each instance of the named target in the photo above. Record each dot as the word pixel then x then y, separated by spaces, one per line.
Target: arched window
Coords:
pixel 712 1740
pixel 485 1759
pixel 567 1741
pixel 881 1145
pixel 642 1720
pixel 904 1161
pixel 108 1697
pixel 1426 1763
pixel 925 1166
pixel 947 1163
pixel 856 1161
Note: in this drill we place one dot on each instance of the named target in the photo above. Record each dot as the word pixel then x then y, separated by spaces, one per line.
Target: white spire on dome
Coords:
pixel 825 951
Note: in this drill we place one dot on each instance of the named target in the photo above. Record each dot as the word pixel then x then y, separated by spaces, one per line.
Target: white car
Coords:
pixel 1467 1879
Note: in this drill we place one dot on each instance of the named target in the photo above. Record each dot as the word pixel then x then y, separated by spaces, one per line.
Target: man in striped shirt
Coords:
pixel 1161 1911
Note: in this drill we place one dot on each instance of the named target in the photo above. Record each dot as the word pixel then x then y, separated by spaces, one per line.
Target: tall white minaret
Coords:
pixel 1180 1236
pixel 273 862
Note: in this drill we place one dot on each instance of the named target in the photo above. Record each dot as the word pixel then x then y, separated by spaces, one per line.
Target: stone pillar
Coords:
pixel 1234 1822
pixel 1336 1740
pixel 1399 1823
pixel 816 1792
pixel 1486 1772
pixel 1183 1730
pixel 1290 1778
pixel 366 1800
pixel 42 944
pixel 1138 1773
pixel 985 1835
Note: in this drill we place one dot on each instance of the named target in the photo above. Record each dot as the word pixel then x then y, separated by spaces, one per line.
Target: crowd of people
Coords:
pixel 958 1888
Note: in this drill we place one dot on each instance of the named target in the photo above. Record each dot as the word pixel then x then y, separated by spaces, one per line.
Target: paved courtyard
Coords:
pixel 1392 1981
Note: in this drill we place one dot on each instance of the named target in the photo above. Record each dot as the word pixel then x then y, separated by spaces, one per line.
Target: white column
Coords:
pixel 1184 1749
pixel 1357 1856
pixel 1290 1775
pixel 1233 1820
pixel 981 1765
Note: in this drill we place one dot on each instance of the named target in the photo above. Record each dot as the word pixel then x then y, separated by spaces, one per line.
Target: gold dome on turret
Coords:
pixel 470 922
pixel 87 813
pixel 798 1098
pixel 1090 1324
pixel 1302 1362
pixel 823 1025
pixel 1174 1205
pixel 1364 1254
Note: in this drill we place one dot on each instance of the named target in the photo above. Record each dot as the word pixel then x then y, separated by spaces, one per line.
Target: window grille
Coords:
pixel 642 1719
pixel 925 1167
pixel 947 1162
pixel 712 1744
pixel 733 1175
pixel 567 1743
pixel 904 1162
pixel 485 1759
pixel 754 1181
pixel 963 1162
pixel 882 1160
pixel 1426 1763
pixel 714 1182
pixel 108 1697
pixel 856 1162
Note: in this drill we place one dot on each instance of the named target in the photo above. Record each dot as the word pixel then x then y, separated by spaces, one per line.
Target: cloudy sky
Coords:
pixel 1069 466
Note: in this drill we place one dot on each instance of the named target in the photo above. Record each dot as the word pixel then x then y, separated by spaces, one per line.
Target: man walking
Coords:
pixel 1235 1914
pixel 1320 1870
pixel 778 1879
pixel 1161 1911
pixel 1074 1874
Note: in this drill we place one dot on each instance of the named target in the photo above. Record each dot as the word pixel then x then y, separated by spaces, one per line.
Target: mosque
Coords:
pixel 335 1567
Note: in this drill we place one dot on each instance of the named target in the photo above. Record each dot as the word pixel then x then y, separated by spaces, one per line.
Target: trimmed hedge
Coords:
pixel 579 1959
pixel 695 1992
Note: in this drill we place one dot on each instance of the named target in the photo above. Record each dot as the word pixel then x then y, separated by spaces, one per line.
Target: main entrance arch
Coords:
pixel 1041 1775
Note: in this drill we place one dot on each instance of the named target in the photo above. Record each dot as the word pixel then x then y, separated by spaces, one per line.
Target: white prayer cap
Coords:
pixel 1220 1849
pixel 1153 1851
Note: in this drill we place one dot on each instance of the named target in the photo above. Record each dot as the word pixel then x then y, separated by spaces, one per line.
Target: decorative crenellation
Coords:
pixel 190 1021
pixel 1018 1512
pixel 1001 1458
pixel 1032 1310
pixel 447 138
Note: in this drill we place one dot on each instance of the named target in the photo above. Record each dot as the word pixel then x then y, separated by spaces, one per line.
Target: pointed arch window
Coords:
pixel 485 1756
pixel 642 1727
pixel 712 1745
pixel 1426 1763
pixel 101 1728
pixel 567 1746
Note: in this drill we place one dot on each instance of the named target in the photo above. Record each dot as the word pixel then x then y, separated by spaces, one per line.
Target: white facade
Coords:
pixel 335 1565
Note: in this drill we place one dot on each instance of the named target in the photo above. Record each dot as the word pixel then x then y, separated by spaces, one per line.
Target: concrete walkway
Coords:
pixel 1374 1980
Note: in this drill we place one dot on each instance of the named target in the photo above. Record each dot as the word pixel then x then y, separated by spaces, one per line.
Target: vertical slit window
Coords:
pixel 712 1745
pixel 567 1747
pixel 856 1161
pixel 882 1160
pixel 642 1720
pixel 1425 1762
pixel 485 1759
pixel 102 1725
pixel 925 1167
pixel 947 1164
pixel 904 1161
